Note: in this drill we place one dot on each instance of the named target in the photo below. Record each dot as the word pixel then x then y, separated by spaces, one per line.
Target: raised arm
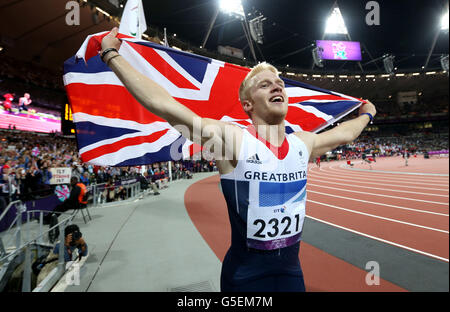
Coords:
pixel 147 92
pixel 345 133
pixel 156 99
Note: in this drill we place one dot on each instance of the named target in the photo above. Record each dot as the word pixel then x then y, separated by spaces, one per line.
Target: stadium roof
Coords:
pixel 36 30
pixel 407 29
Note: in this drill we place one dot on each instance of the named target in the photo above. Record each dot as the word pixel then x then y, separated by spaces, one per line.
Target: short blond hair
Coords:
pixel 248 83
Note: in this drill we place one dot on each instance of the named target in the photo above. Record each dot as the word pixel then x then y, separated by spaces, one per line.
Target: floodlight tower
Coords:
pixel 235 8
pixel 335 25
pixel 444 29
pixel 444 63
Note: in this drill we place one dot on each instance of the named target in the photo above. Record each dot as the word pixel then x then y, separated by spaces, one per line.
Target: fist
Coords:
pixel 367 107
pixel 111 41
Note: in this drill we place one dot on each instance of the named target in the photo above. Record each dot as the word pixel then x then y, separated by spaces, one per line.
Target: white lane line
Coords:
pixel 378 217
pixel 381 195
pixel 396 172
pixel 381 240
pixel 381 204
pixel 393 178
pixel 327 176
pixel 336 173
pixel 342 168
pixel 382 189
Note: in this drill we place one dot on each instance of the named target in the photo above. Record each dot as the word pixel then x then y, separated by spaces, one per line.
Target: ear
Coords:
pixel 247 105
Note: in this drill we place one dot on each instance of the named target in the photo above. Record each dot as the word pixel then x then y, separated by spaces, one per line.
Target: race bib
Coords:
pixel 276 226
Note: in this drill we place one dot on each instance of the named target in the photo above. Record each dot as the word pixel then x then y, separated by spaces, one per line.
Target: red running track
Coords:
pixel 406 211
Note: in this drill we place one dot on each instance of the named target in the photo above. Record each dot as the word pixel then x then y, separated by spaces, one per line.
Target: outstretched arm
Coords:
pixel 345 133
pixel 155 98
pixel 147 92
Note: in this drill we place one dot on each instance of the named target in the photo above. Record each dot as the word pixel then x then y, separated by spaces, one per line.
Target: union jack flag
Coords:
pixel 113 129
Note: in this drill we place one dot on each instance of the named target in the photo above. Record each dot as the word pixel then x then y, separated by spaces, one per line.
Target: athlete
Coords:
pixel 264 180
pixel 368 159
pixel 406 156
pixel 7 104
pixel 318 161
pixel 24 102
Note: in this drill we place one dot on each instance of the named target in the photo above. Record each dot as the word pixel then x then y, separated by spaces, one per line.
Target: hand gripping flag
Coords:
pixel 113 129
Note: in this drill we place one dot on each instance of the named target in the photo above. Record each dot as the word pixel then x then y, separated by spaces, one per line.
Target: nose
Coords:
pixel 276 88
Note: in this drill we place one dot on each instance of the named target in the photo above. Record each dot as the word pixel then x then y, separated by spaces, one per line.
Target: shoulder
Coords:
pixel 308 138
pixel 223 125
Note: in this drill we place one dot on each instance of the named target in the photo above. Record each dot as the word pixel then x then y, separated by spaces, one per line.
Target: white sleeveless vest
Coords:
pixel 268 193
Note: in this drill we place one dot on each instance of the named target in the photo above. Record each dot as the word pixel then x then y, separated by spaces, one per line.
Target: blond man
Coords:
pixel 263 170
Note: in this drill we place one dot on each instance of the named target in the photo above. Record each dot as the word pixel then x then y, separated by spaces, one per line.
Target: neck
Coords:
pixel 275 134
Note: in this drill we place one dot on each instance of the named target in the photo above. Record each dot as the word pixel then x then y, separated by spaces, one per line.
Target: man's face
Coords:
pixel 268 98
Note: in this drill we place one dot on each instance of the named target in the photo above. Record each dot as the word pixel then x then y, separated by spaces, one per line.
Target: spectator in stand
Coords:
pixel 160 179
pixel 46 174
pixel 9 188
pixel 77 170
pixel 33 179
pixel 121 193
pixel 145 183
pixel 187 173
pixel 85 179
pixel 4 184
pixel 109 192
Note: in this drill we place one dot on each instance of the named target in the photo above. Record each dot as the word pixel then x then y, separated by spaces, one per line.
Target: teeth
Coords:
pixel 277 98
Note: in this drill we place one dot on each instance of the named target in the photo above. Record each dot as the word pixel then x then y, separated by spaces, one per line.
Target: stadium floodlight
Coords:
pixel 232 7
pixel 317 57
pixel 444 22
pixel 444 62
pixel 256 29
pixel 388 62
pixel 335 23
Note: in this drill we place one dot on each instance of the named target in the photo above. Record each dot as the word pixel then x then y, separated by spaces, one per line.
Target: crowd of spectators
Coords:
pixel 391 146
pixel 26 159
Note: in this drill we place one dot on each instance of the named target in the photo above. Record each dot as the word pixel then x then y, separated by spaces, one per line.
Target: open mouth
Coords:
pixel 277 99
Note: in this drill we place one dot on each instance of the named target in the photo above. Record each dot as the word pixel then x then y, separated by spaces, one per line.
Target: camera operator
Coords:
pixel 73 239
